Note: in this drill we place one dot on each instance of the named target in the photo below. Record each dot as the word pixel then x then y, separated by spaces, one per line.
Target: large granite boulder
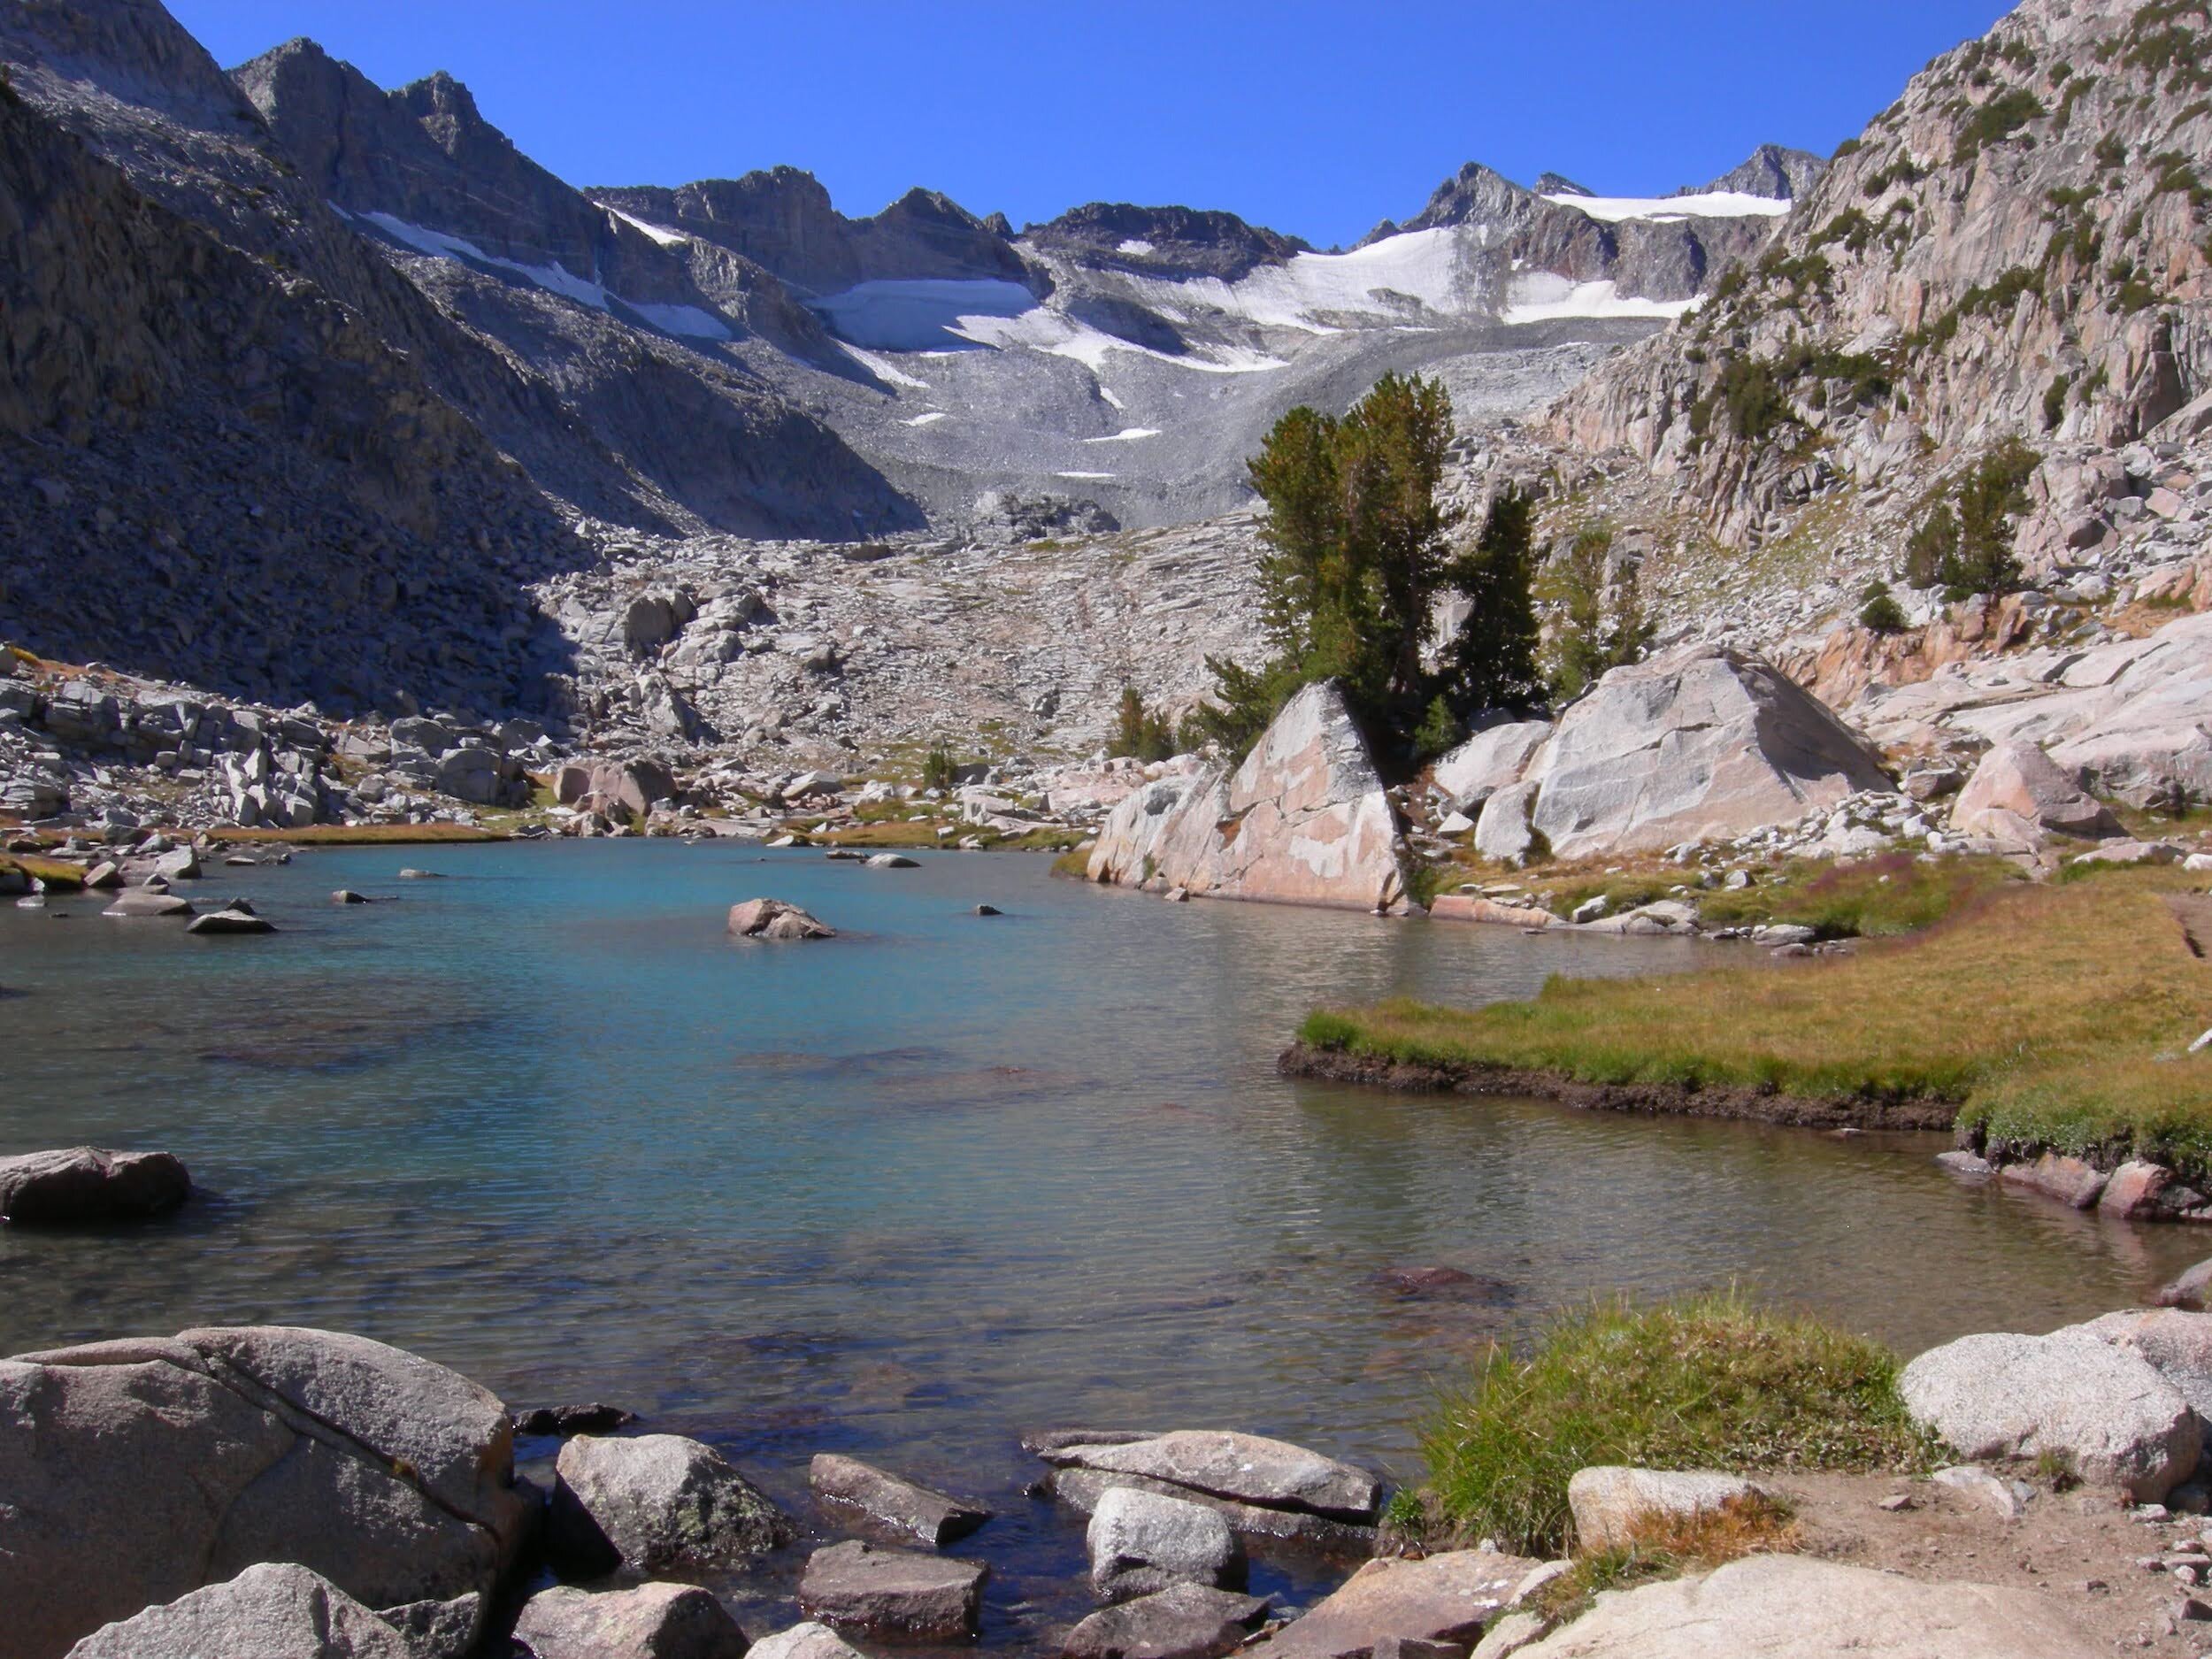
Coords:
pixel 1486 762
pixel 1304 820
pixel 1764 1607
pixel 655 1502
pixel 772 918
pixel 1696 743
pixel 137 1472
pixel 269 1611
pixel 2072 1393
pixel 651 1621
pixel 2020 778
pixel 81 1183
pixel 1142 1542
pixel 2176 1345
pixel 1443 1598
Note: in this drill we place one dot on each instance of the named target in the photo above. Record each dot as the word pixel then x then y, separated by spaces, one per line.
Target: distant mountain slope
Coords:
pixel 211 471
pixel 2020 245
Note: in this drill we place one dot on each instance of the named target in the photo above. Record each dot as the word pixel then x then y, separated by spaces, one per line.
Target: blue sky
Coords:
pixel 1316 119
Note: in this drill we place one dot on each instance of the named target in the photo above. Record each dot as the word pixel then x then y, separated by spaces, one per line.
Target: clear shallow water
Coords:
pixel 909 1192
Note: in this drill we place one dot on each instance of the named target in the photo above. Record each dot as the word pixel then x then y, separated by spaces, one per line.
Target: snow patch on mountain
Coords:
pixel 1383 279
pixel 1612 210
pixel 660 234
pixel 1539 296
pixel 1127 435
pixel 690 321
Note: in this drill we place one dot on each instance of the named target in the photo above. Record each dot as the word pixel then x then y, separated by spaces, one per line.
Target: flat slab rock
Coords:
pixel 653 1621
pixel 1448 1597
pixel 80 1184
pixel 1245 1468
pixel 269 1611
pixel 1185 1621
pixel 893 1592
pixel 899 1505
pixel 1082 1489
pixel 1767 1607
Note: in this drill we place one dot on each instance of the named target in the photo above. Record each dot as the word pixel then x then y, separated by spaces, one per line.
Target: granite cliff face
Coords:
pixel 2016 247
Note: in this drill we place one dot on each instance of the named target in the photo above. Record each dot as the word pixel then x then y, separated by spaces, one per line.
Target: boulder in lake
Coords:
pixel 2020 780
pixel 1141 1542
pixel 899 1505
pixel 1610 1502
pixel 772 918
pixel 2108 1411
pixel 892 861
pixel 1773 1605
pixel 1698 743
pixel 595 1418
pixel 2190 1289
pixel 655 1502
pixel 652 1621
pixel 231 918
pixel 1304 820
pixel 1183 1621
pixel 137 1472
pixel 347 896
pixel 895 1592
pixel 271 1610
pixel 85 1184
pixel 1448 1597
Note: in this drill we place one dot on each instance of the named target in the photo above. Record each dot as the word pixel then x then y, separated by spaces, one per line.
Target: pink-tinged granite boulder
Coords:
pixel 1304 820
pixel 1698 743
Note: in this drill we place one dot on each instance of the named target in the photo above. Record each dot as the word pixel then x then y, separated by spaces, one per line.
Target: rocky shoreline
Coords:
pixel 297 1493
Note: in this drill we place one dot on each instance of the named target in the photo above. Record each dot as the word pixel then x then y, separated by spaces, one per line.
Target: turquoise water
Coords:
pixel 909 1192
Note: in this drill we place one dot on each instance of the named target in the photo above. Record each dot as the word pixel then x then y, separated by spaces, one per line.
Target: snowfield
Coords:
pixel 660 234
pixel 687 321
pixel 1539 296
pixel 1418 268
pixel 1711 204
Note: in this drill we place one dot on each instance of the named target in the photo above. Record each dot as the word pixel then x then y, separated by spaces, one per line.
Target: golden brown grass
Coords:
pixel 56 873
pixel 1667 1546
pixel 2051 1016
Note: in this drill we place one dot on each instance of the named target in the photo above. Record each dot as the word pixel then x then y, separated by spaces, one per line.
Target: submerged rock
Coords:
pixel 656 1502
pixel 138 1471
pixel 269 1611
pixel 141 902
pixel 81 1183
pixel 890 1502
pixel 233 918
pixel 897 1593
pixel 595 1418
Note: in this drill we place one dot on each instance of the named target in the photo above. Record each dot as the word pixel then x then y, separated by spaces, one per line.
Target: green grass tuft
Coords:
pixel 1704 1382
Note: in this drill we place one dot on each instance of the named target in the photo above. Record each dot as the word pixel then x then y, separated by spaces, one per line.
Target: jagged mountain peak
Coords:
pixel 1203 241
pixel 1771 170
pixel 1559 184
